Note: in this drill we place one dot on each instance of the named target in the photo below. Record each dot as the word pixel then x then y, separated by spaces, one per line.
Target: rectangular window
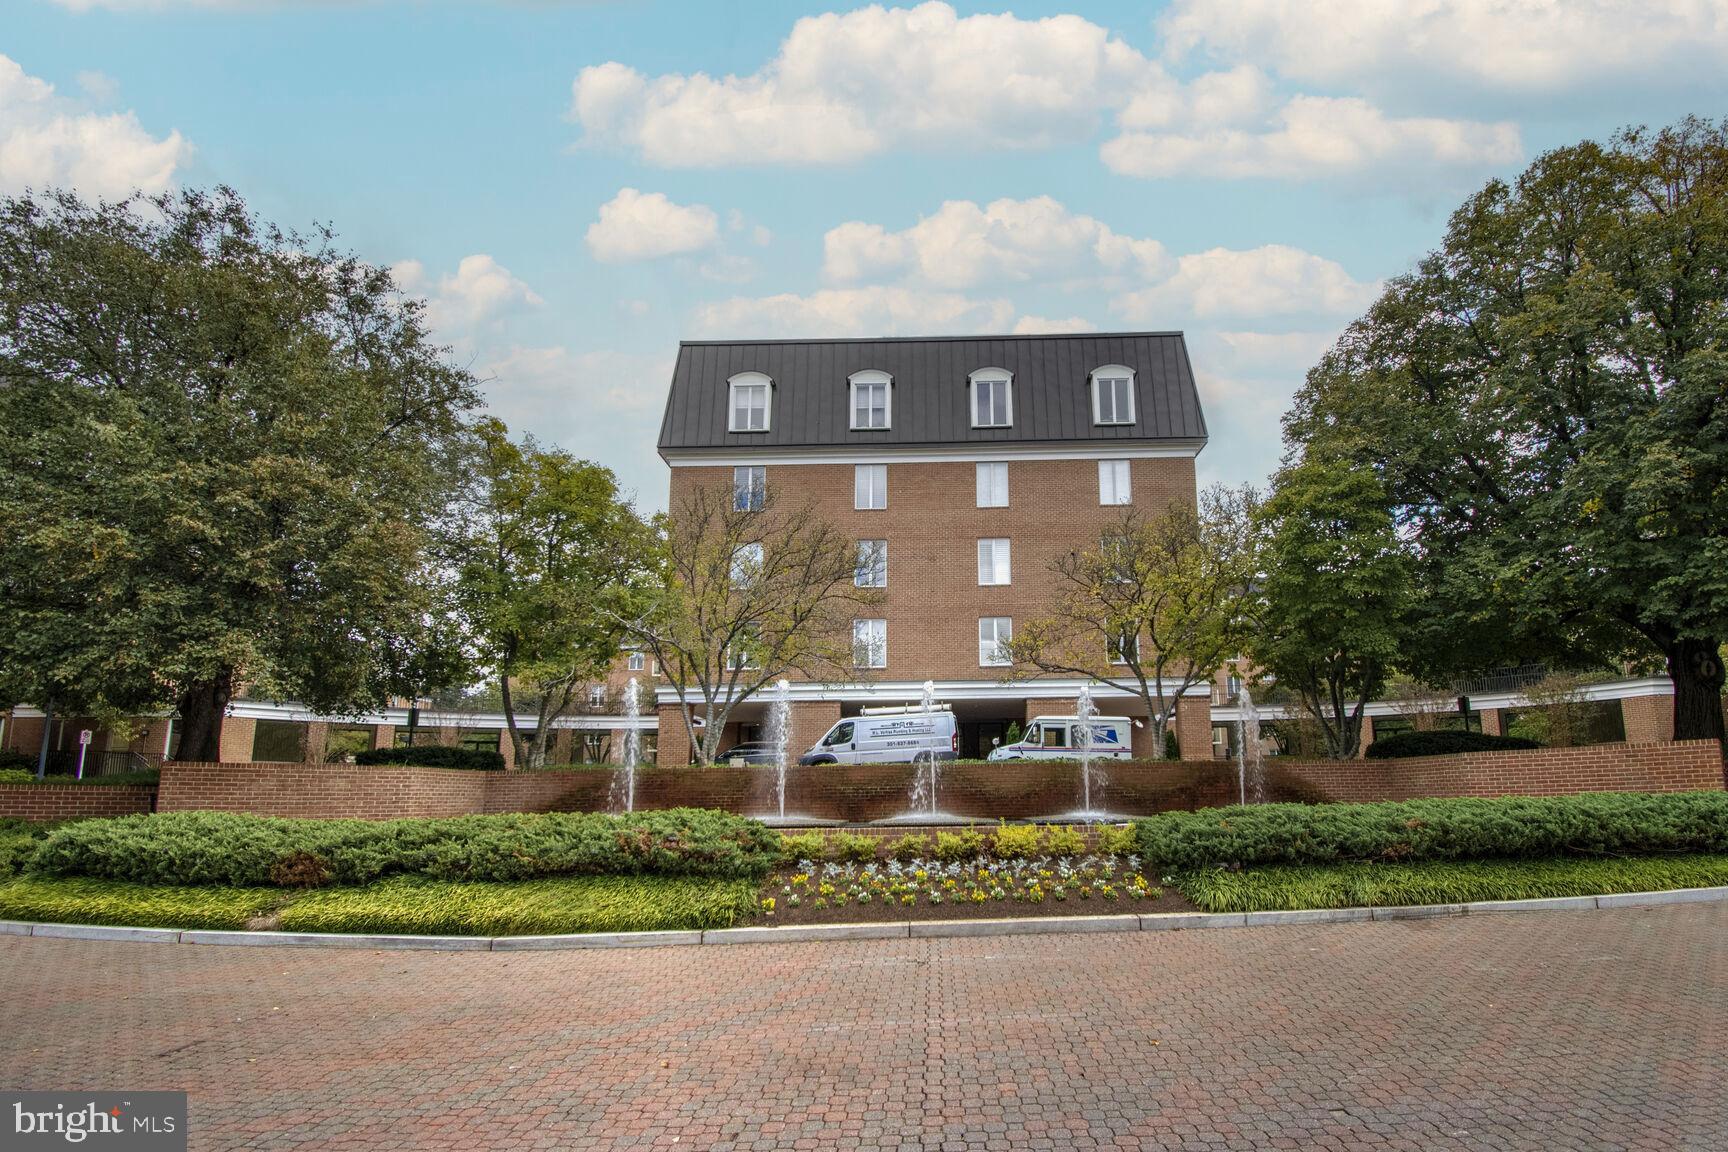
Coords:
pixel 1115 401
pixel 872 570
pixel 1113 487
pixel 993 633
pixel 1124 648
pixel 746 563
pixel 749 408
pixel 870 405
pixel 990 404
pixel 870 643
pixel 870 486
pixel 993 562
pixel 749 487
pixel 992 485
pixel 637 662
pixel 597 696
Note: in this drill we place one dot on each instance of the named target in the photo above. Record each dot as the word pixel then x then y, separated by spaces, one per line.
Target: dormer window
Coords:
pixel 1113 395
pixel 871 399
pixel 992 398
pixel 751 395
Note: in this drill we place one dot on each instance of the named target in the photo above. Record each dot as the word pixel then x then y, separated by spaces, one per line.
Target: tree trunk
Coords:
pixel 202 709
pixel 1695 667
pixel 518 746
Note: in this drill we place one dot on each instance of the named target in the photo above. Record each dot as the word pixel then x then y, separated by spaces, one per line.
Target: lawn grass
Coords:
pixel 1280 888
pixel 529 907
pixel 83 901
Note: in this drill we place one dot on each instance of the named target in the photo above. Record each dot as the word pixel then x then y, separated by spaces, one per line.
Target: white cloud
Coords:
pixel 847 85
pixel 645 225
pixel 963 244
pixel 480 292
pixel 1274 280
pixel 46 140
pixel 1318 136
pixel 1270 352
pixel 873 311
pixel 1509 45
pixel 1043 325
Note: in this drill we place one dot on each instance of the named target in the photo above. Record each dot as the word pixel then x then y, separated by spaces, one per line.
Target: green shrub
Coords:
pixel 1449 882
pixel 11 761
pixel 853 846
pixel 434 756
pixel 1597 823
pixel 959 846
pixel 17 776
pixel 1114 841
pixel 83 901
pixel 148 776
pixel 1444 743
pixel 579 904
pixel 18 843
pixel 1172 746
pixel 1016 842
pixel 796 846
pixel 908 848
pixel 1064 840
pixel 232 849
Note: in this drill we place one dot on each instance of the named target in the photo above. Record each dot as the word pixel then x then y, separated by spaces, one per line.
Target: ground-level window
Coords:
pixel 993 633
pixel 344 742
pixel 279 742
pixel 480 739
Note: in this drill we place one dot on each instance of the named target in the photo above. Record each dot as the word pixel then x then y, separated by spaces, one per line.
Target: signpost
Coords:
pixel 83 746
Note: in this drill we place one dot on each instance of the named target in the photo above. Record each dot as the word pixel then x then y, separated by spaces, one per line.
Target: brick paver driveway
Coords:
pixel 1542 1030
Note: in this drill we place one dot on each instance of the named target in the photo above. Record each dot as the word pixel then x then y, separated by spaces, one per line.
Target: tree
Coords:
pixel 222 447
pixel 1156 608
pixel 1334 594
pixel 745 597
pixel 550 559
pixel 1544 400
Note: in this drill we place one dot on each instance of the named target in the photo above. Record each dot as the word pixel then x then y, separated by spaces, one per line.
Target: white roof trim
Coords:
pixel 945 454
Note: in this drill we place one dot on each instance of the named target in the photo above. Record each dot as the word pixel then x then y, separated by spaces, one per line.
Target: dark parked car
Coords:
pixel 758 752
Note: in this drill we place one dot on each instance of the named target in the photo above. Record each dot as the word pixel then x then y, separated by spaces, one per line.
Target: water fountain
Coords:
pixel 624 781
pixel 1250 760
pixel 1084 710
pixel 779 737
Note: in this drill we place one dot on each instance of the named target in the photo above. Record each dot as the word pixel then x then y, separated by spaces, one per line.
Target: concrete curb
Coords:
pixel 891 930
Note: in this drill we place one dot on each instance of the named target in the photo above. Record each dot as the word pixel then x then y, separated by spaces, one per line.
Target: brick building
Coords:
pixel 962 467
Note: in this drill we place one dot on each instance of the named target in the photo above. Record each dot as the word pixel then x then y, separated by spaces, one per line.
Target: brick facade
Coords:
pixel 1648 718
pixel 1021 789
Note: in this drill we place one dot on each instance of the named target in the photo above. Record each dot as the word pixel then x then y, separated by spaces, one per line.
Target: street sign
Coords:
pixel 84 736
pixel 83 746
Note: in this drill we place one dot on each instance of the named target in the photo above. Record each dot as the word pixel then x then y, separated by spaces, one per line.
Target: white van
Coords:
pixel 1057 738
pixel 888 736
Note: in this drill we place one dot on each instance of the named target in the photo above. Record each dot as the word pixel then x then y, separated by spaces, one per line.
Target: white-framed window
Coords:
pixel 1113 395
pixel 637 662
pixel 872 399
pixel 993 485
pixel 749 488
pixel 992 397
pixel 870 643
pixel 597 696
pixel 1113 482
pixel 743 653
pixel 1125 647
pixel 993 633
pixel 749 396
pixel 747 563
pixel 869 486
pixel 993 567
pixel 872 569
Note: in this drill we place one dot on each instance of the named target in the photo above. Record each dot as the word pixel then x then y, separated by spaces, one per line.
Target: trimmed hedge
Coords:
pixel 1593 823
pixel 434 756
pixel 1444 743
pixel 226 848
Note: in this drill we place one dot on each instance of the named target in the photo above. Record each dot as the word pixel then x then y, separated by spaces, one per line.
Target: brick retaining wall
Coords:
pixel 73 801
pixel 1019 789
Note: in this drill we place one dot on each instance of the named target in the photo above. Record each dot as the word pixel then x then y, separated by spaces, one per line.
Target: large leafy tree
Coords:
pixel 743 597
pixel 1334 595
pixel 1156 608
pixel 1546 399
pixel 550 560
pixel 221 446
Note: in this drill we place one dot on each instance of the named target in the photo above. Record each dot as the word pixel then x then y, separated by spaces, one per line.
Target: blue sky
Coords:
pixel 577 186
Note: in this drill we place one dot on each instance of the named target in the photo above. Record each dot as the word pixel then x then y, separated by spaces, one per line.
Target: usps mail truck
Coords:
pixel 889 736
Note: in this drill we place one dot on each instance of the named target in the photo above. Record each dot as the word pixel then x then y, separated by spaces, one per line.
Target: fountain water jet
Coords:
pixel 779 736
pixel 1084 711
pixel 624 781
pixel 1250 760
